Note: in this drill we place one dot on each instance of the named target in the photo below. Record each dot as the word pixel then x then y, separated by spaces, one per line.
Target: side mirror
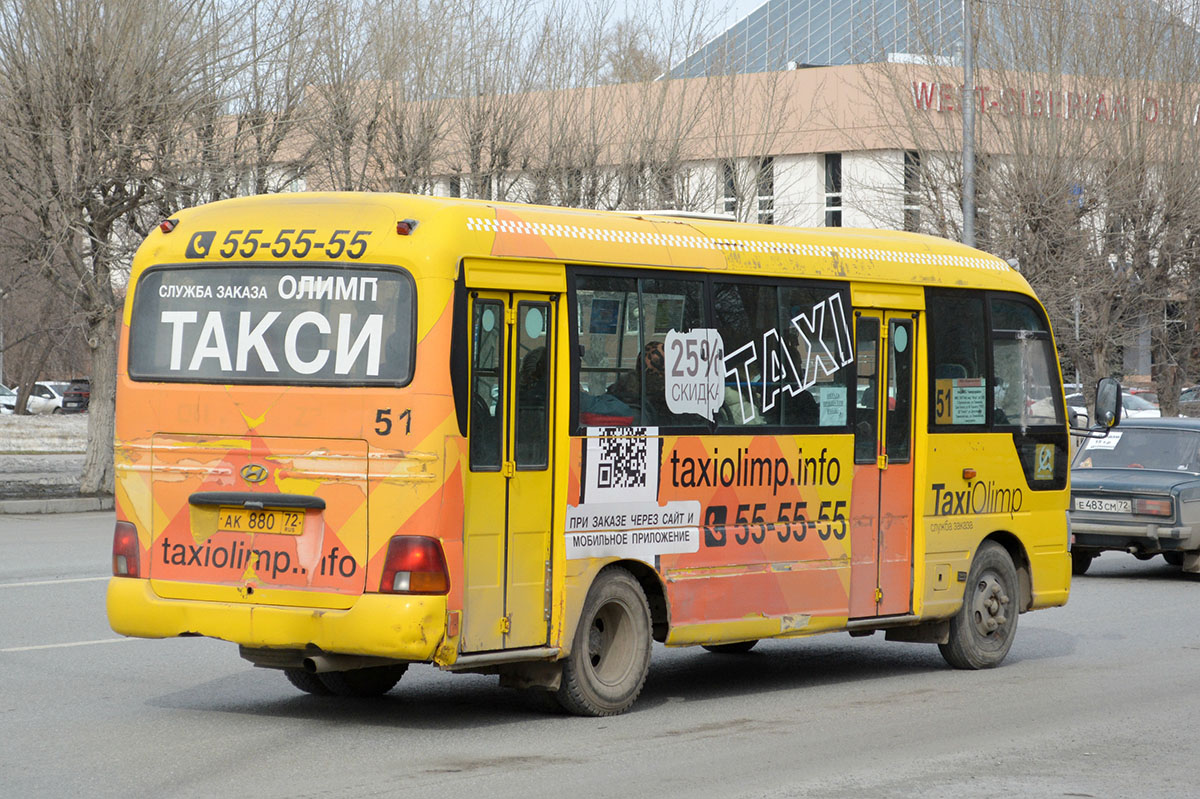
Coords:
pixel 1079 420
pixel 1108 402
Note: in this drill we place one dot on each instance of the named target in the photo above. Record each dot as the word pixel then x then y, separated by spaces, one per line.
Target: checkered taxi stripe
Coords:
pixel 553 230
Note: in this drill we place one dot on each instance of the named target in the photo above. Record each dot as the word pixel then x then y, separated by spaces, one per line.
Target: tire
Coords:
pixel 731 649
pixel 306 682
pixel 1080 561
pixel 1174 557
pixel 610 656
pixel 375 681
pixel 982 631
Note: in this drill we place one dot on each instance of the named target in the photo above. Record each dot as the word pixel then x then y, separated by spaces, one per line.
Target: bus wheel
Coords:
pixel 731 649
pixel 982 631
pixel 306 682
pixel 610 656
pixel 375 681
pixel 1080 561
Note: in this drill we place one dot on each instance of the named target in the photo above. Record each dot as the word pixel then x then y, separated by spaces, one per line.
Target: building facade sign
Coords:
pixel 1070 105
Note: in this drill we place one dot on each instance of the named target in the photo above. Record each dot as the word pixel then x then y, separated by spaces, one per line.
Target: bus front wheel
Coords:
pixel 610 656
pixel 982 631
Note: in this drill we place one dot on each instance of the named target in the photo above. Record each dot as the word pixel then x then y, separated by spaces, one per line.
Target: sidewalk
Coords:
pixel 55 505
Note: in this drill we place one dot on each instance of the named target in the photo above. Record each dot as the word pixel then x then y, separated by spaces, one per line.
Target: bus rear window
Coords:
pixel 300 324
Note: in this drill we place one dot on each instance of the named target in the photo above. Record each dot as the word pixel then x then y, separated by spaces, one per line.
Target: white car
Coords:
pixel 1132 406
pixel 46 397
pixel 8 399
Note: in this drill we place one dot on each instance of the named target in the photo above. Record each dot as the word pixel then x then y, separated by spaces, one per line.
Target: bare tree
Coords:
pixel 92 98
pixel 347 97
pixel 1091 178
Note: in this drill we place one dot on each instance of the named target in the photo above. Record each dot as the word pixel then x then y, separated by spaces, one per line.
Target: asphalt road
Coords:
pixel 1100 698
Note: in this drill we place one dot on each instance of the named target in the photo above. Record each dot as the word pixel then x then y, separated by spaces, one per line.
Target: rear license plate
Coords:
pixel 1102 505
pixel 244 520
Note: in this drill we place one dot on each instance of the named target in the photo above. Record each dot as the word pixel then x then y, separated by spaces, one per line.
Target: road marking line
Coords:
pixel 61 646
pixel 55 582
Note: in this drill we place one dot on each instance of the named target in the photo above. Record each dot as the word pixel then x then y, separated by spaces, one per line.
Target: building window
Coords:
pixel 766 191
pixel 729 200
pixel 833 190
pixel 912 191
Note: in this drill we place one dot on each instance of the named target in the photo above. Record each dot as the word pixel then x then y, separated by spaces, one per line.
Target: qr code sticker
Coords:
pixel 622 465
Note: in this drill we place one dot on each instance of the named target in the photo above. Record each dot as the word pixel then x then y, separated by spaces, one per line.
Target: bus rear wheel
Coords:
pixel 610 656
pixel 375 681
pixel 307 682
pixel 982 631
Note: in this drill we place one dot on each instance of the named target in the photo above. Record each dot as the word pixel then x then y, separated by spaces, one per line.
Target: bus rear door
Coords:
pixel 509 490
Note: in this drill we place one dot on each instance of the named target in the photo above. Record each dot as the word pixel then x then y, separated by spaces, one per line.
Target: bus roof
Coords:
pixel 481 229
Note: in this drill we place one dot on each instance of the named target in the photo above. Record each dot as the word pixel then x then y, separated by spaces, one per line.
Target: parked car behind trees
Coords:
pixel 77 396
pixel 46 397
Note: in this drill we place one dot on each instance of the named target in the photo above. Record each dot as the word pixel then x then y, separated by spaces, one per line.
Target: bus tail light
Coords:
pixel 414 565
pixel 126 551
pixel 1152 507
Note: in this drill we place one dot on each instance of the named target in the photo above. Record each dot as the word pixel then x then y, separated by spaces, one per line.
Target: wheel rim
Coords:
pixel 611 642
pixel 989 607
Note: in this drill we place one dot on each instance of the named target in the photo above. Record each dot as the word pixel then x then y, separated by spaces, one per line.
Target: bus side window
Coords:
pixel 1026 378
pixel 867 389
pixel 957 338
pixel 666 305
pixel 487 388
pixel 743 312
pixel 533 380
pixel 899 391
pixel 610 380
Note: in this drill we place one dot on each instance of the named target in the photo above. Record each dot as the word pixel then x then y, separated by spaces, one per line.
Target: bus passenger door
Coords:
pixel 881 503
pixel 508 490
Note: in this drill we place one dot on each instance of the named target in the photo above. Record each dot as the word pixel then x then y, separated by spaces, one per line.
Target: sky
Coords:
pixel 738 9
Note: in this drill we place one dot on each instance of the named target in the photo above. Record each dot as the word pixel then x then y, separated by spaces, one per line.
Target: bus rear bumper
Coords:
pixel 402 627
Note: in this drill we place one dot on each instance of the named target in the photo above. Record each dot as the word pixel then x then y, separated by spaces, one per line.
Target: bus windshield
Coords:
pixel 307 324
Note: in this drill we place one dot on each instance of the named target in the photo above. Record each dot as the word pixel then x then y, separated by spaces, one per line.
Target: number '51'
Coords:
pixel 384 418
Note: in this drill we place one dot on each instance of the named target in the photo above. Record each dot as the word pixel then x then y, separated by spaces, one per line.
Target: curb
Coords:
pixel 56 505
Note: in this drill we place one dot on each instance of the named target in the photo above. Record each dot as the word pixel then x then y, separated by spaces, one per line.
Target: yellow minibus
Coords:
pixel 361 431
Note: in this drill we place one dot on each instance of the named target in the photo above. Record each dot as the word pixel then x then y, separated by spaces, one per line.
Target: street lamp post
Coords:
pixel 968 143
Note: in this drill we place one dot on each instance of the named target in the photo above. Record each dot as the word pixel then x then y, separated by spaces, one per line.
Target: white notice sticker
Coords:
pixel 695 372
